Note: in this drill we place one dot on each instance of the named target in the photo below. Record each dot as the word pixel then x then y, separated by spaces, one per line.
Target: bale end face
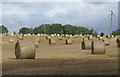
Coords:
pixel 25 49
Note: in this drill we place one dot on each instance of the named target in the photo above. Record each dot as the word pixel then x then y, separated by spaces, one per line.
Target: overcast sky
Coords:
pixel 32 14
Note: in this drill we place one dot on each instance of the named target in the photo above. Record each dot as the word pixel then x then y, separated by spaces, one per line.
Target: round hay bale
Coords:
pixel 90 37
pixel 36 43
pixel 52 41
pixel 66 35
pixel 38 40
pixel 69 41
pixel 97 36
pixel 118 41
pixel 98 47
pixel 25 49
pixel 85 38
pixel 60 38
pixel 20 37
pixel 75 36
pixel 47 37
pixel 58 34
pixel 100 38
pixel 11 40
pixel 107 42
pixel 86 44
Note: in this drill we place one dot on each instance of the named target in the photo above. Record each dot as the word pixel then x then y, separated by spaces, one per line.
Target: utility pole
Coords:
pixel 111 14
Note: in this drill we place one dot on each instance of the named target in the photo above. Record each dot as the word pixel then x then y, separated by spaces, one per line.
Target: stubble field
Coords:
pixel 59 59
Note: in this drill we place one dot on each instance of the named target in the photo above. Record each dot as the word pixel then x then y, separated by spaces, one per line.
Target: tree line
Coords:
pixel 57 29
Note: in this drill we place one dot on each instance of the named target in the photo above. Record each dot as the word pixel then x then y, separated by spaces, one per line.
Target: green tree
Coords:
pixel 102 34
pixel 25 30
pixel 56 28
pixel 68 29
pixel 117 32
pixel 63 29
pixel 3 29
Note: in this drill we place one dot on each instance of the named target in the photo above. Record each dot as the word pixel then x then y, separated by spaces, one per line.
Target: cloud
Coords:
pixel 88 14
pixel 56 11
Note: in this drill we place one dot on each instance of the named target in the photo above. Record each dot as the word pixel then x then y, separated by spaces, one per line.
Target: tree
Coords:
pixel 25 30
pixel 56 28
pixel 3 29
pixel 63 29
pixel 117 32
pixel 102 34
pixel 68 29
pixel 14 32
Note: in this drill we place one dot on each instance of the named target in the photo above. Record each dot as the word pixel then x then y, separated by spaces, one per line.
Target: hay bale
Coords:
pixel 47 37
pixel 76 36
pixel 69 41
pixel 98 47
pixel 11 40
pixel 52 41
pixel 25 49
pixel 20 37
pixel 90 37
pixel 107 42
pixel 60 38
pixel 100 38
pixel 38 40
pixel 36 43
pixel 118 41
pixel 85 38
pixel 67 35
pixel 86 44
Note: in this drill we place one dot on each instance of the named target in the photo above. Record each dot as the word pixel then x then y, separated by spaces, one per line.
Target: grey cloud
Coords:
pixel 91 15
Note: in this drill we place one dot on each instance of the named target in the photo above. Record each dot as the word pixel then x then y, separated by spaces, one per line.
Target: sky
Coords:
pixel 32 14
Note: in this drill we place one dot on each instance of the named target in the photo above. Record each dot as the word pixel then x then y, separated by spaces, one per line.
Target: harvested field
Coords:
pixel 59 59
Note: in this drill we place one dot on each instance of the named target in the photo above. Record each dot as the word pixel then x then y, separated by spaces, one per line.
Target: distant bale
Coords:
pixel 11 40
pixel 118 41
pixel 69 41
pixel 47 37
pixel 100 38
pixel 38 34
pixel 107 42
pixel 25 49
pixel 66 35
pixel 76 36
pixel 97 36
pixel 98 47
pixel 20 37
pixel 52 41
pixel 60 38
pixel 85 38
pixel 86 44
pixel 90 37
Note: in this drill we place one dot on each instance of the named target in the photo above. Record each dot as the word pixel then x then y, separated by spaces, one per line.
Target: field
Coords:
pixel 59 59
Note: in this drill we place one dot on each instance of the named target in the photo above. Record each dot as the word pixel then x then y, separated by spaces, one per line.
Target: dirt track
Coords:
pixel 60 59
